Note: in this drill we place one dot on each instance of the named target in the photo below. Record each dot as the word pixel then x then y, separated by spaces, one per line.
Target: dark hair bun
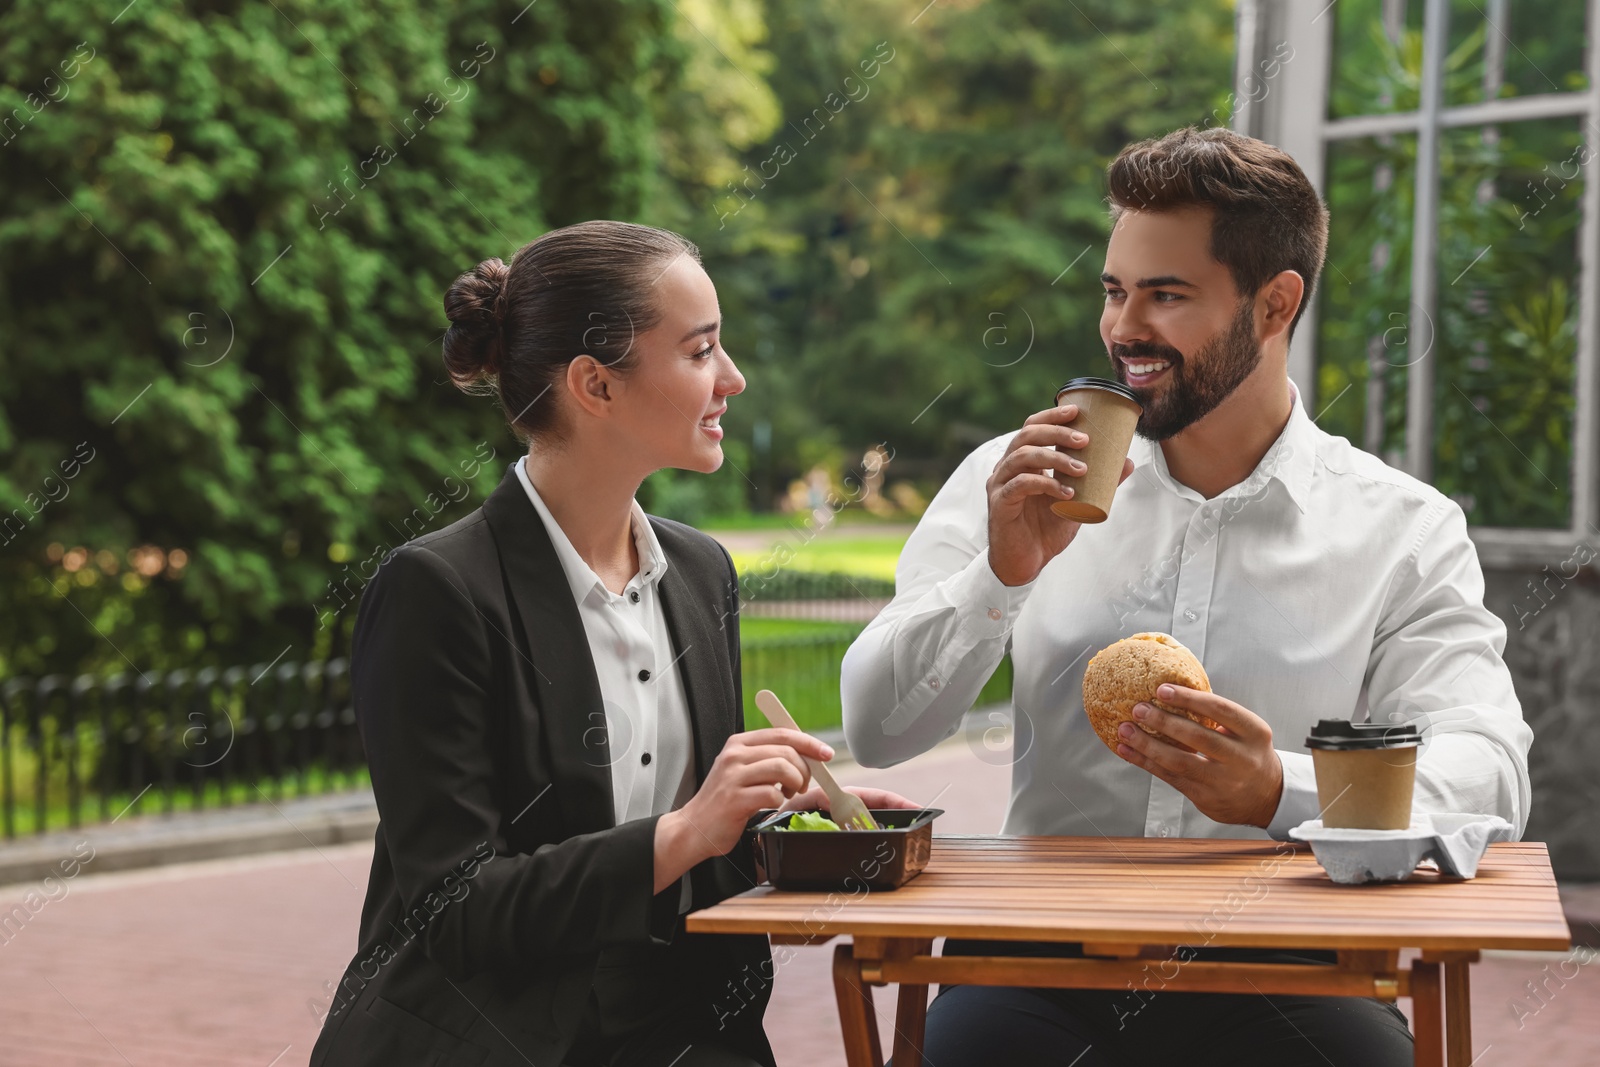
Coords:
pixel 475 306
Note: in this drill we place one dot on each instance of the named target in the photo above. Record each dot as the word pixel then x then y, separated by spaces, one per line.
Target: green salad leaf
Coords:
pixel 810 820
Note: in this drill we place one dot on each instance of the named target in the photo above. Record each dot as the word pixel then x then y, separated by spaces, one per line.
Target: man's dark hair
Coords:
pixel 1266 216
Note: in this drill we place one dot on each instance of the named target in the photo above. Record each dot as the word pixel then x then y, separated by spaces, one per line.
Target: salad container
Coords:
pixel 843 860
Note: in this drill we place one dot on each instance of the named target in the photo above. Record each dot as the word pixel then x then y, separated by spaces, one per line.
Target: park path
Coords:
pixel 222 963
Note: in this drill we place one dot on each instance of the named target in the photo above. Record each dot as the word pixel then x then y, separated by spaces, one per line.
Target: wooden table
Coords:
pixel 1131 901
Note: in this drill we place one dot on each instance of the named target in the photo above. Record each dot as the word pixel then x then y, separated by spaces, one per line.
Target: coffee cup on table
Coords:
pixel 1366 773
pixel 1108 411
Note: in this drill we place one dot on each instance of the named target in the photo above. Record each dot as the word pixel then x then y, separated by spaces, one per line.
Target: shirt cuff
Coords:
pixel 981 608
pixel 988 606
pixel 1298 803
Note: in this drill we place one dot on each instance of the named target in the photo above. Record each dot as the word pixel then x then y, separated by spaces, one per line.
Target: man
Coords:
pixel 1312 580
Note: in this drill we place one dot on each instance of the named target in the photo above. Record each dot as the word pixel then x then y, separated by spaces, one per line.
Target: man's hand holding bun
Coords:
pixel 1232 773
pixel 1149 699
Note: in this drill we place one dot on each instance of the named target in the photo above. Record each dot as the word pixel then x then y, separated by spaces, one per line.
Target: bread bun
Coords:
pixel 1128 672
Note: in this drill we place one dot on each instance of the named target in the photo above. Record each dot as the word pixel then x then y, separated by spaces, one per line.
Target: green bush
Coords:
pixel 793 584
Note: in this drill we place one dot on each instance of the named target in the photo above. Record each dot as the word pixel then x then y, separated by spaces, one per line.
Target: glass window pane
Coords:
pixel 1377 57
pixel 1509 215
pixel 1502 48
pixel 1365 291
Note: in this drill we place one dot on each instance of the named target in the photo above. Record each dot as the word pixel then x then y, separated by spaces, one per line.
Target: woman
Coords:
pixel 548 692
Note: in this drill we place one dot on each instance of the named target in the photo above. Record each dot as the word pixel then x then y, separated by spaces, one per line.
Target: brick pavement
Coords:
pixel 215 963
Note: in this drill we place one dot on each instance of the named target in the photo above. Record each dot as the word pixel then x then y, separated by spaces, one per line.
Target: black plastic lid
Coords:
pixel 1110 385
pixel 1343 735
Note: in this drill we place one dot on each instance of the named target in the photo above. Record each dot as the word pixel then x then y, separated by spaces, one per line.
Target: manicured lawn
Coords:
pixel 752 630
pixel 873 555
pixel 791 521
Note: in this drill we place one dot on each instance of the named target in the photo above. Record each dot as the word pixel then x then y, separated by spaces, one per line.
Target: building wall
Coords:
pixel 1552 631
pixel 1543 584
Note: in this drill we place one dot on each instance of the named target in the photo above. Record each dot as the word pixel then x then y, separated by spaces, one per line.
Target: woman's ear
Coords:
pixel 589 384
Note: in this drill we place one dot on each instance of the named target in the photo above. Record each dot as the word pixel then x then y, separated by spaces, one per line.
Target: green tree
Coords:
pixel 228 228
pixel 893 259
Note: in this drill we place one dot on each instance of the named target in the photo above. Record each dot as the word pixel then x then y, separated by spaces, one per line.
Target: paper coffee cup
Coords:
pixel 1366 773
pixel 1108 411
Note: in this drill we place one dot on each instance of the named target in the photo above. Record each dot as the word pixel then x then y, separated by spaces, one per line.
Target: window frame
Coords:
pixel 1276 110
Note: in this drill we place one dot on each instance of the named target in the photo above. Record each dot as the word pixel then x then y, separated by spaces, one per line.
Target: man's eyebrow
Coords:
pixel 710 327
pixel 1165 281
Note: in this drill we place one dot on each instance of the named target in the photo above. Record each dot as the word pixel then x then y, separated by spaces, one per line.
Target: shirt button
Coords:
pixel 994 613
pixel 1164 831
pixel 645 759
pixel 633 595
pixel 933 683
pixel 1190 615
pixel 644 676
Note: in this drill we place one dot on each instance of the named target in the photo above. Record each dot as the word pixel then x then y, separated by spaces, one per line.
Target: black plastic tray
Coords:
pixel 849 860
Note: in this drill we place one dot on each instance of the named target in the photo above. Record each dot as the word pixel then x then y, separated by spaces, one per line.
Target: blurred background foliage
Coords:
pixel 229 226
pixel 1505 345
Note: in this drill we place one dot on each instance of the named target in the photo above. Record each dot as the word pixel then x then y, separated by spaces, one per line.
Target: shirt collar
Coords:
pixel 581 577
pixel 1289 461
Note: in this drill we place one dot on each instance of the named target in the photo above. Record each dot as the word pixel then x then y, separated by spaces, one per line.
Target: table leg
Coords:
pixel 1458 1013
pixel 910 1023
pixel 1427 1015
pixel 856 1017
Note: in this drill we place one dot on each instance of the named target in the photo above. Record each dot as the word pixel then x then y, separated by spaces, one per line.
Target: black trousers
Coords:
pixel 980 1026
pixel 635 1014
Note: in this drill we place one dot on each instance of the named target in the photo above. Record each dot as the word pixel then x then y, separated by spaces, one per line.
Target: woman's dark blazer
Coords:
pixel 499 872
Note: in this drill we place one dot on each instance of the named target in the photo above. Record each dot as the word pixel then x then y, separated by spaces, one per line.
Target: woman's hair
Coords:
pixel 583 289
pixel 1266 216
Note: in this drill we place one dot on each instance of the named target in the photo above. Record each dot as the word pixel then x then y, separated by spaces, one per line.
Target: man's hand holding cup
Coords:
pixel 1024 534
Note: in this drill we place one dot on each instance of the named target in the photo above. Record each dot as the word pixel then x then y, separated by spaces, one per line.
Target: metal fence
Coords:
pixel 90 749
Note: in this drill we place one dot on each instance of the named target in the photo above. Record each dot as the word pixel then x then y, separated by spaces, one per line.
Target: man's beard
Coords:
pixel 1192 393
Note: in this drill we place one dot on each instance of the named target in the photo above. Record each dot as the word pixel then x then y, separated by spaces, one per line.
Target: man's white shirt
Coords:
pixel 1326 585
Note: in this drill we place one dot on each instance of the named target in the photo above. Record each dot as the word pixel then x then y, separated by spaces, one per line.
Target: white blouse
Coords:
pixel 646 709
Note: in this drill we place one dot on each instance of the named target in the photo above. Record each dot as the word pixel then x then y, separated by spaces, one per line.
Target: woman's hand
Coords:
pixel 755 769
pixel 814 799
